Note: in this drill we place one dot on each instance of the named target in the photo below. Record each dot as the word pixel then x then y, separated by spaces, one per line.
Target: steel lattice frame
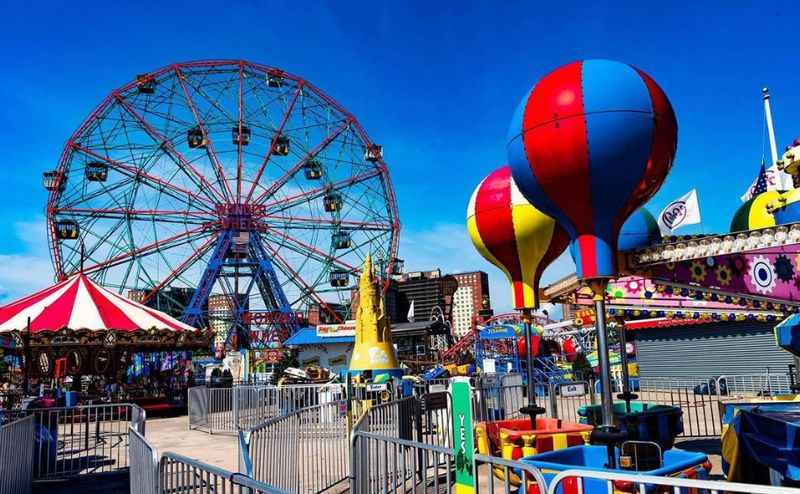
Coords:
pixel 152 224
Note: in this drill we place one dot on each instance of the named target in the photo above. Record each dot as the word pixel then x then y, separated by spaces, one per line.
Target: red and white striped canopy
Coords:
pixel 79 303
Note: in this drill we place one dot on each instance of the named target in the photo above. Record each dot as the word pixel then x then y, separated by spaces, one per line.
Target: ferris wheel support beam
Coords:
pixel 281 181
pixel 169 150
pixel 257 266
pixel 212 154
pixel 134 172
pixel 278 132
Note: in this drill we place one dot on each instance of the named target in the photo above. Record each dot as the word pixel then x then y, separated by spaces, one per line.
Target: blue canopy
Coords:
pixel 787 334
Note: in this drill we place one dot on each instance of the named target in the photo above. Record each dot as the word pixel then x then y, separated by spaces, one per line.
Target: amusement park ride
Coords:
pixel 225 178
pixel 564 138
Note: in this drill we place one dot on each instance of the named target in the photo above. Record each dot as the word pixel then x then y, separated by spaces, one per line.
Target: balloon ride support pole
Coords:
pixel 531 409
pixel 606 433
pixel 623 355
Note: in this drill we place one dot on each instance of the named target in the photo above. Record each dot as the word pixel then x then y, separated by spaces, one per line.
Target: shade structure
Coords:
pixel 78 303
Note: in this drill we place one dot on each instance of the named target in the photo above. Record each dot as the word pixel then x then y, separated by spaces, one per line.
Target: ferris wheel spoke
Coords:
pixel 182 267
pixel 271 149
pixel 139 252
pixel 240 125
pixel 301 246
pixel 283 179
pixel 291 201
pixel 153 215
pixel 169 150
pixel 82 254
pixel 188 197
pixel 212 155
pixel 304 222
pixel 211 101
pixel 297 280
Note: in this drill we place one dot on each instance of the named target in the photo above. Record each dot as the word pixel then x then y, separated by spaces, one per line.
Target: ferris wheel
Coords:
pixel 222 179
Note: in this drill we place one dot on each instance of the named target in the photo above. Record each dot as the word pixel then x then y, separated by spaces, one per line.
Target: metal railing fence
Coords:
pixel 16 456
pixel 698 398
pixel 498 397
pixel 229 410
pixel 144 463
pixel 177 474
pixel 598 481
pixel 383 464
pixel 304 451
pixel 82 440
pixel 768 384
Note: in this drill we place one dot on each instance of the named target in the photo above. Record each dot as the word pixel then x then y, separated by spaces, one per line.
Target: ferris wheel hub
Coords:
pixel 241 217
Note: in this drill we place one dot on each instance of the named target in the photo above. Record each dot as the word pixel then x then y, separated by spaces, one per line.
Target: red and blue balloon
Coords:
pixel 591 143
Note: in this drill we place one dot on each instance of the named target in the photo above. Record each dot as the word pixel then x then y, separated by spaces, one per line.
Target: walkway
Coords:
pixel 172 434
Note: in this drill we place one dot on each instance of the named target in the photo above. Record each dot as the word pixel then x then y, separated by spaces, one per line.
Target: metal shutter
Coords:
pixel 706 350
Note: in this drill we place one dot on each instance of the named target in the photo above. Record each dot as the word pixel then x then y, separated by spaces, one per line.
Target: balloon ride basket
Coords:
pixel 651 422
pixel 514 438
pixel 672 463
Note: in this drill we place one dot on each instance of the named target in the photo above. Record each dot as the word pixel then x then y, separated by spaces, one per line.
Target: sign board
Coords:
pixel 577 389
pixel 463 441
pixel 266 356
pixel 348 328
pixel 437 388
pixel 376 387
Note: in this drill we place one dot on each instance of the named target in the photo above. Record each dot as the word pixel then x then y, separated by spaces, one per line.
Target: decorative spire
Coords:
pixel 373 348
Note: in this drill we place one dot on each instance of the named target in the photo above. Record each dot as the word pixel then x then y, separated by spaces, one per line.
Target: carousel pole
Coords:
pixel 26 357
pixel 531 409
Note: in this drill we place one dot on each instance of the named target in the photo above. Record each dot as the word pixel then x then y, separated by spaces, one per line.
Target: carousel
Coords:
pixel 78 328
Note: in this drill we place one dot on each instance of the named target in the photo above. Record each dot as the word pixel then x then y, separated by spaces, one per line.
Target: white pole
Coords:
pixel 770 129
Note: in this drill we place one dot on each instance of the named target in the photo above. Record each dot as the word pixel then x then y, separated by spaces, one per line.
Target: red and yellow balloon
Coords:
pixel 513 235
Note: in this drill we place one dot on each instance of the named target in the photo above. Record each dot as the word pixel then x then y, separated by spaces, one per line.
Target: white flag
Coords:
pixel 410 316
pixel 680 212
pixel 776 180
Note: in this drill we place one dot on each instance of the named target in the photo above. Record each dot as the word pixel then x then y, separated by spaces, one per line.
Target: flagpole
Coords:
pixel 773 148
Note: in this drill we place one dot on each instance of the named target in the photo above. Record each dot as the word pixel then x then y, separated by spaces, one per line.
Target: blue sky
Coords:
pixel 434 82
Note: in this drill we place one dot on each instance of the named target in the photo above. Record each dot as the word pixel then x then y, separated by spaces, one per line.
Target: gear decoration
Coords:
pixel 784 269
pixel 698 270
pixel 723 274
pixel 762 275
pixel 634 286
pixel 738 265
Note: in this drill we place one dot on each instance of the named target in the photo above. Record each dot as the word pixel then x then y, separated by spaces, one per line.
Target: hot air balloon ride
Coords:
pixel 588 145
pixel 520 240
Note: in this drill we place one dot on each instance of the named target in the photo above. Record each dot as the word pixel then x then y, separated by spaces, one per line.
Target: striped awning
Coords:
pixel 78 303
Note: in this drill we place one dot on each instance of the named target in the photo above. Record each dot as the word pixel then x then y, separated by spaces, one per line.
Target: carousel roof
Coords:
pixel 81 304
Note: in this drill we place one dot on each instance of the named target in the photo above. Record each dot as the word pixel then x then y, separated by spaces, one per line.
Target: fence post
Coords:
pixel 235 398
pixel 553 399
